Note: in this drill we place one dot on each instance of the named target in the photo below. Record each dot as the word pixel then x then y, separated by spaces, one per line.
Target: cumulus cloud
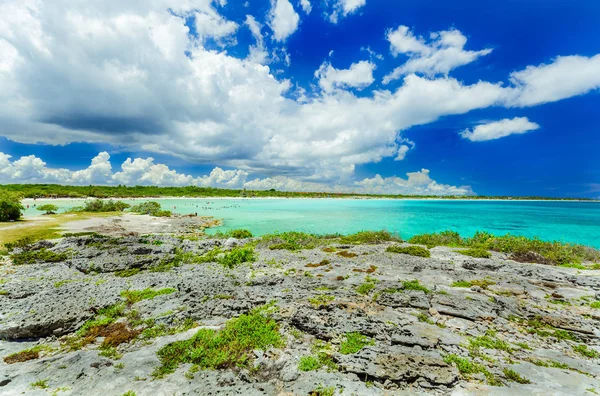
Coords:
pixel 144 171
pixel 565 77
pixel 131 74
pixel 359 75
pixel 283 19
pixel 343 8
pixel 444 52
pixel 306 6
pixel 499 129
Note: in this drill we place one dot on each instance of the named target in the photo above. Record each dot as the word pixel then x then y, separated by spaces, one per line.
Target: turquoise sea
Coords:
pixel 577 222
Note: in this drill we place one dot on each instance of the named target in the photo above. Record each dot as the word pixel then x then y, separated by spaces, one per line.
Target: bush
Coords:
pixel 48 208
pixel 10 206
pixel 411 250
pixel 237 234
pixel 230 347
pixel 475 252
pixel 291 240
pixel 369 238
pixel 444 238
pixel 43 255
pixel 151 208
pixel 99 205
pixel 236 257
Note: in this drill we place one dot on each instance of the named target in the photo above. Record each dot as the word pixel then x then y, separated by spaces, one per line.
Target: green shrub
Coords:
pixel 48 208
pixel 467 368
pixel 475 252
pixel 583 350
pixel 321 300
pixel 461 284
pixel 354 342
pixel 291 240
pixel 411 250
pixel 365 288
pixel 516 377
pixel 22 243
pixel 126 273
pixel 415 285
pixel 369 238
pixel 595 304
pixel 230 347
pixel 237 234
pixel 133 296
pixel 151 208
pixel 309 363
pixel 444 238
pixel 10 206
pixel 42 255
pixel 237 256
pixel 99 205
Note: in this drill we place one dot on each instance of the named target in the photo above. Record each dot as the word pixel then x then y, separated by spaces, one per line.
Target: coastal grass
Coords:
pixel 415 285
pixel 417 251
pixel 521 248
pixel 34 256
pixel 230 347
pixel 483 283
pixel 369 238
pixel 512 375
pixel 475 252
pixel 134 296
pixel 321 300
pixel 365 288
pixel 583 350
pixel 468 368
pixel 237 234
pixel 354 342
pixel 27 354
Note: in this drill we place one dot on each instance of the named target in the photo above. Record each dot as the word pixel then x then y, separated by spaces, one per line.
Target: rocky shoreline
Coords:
pixel 90 314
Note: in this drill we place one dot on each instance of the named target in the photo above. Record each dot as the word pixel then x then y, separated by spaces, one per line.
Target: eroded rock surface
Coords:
pixel 425 337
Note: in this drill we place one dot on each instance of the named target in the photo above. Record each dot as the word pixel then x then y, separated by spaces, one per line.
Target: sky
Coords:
pixel 366 96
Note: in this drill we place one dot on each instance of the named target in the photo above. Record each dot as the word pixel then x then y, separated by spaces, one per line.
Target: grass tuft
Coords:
pixel 354 342
pixel 417 251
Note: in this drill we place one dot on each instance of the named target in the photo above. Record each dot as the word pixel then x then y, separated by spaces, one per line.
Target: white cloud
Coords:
pixel 443 53
pixel 143 171
pixel 306 6
pixel 283 19
pixel 258 52
pixel 359 75
pixel 499 129
pixel 565 77
pixel 344 8
pixel 130 75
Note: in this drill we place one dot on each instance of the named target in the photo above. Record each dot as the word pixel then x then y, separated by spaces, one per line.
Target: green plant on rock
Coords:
pixel 512 375
pixel 475 252
pixel 467 368
pixel 321 300
pixel 354 342
pixel 415 285
pixel 365 288
pixel 34 256
pixel 230 347
pixel 583 350
pixel 48 208
pixel 134 296
pixel 369 238
pixel 237 234
pixel 417 251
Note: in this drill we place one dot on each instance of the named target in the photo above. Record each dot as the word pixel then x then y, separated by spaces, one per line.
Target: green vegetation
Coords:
pixel 475 252
pixel 129 393
pixel 48 208
pixel 354 342
pixel 489 341
pixel 595 304
pixel 512 375
pixel 132 297
pixel 126 273
pixel 10 205
pixel 322 391
pixel 60 191
pixel 483 283
pixel 369 238
pixel 365 288
pixel 101 206
pixel 42 255
pixel 415 285
pixel 237 234
pixel 309 363
pixel 291 240
pixel 521 248
pixel 151 208
pixel 467 368
pixel 27 354
pixel 41 384
pixel 237 256
pixel 321 300
pixel 411 250
pixel 537 326
pixel 230 347
pixel 583 350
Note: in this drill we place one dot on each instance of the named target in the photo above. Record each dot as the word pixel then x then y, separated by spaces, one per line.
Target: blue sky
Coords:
pixel 419 96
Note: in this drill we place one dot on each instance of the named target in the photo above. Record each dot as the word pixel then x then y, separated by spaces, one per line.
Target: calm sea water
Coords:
pixel 577 222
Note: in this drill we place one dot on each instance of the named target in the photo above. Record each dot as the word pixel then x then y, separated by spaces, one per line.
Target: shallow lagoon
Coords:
pixel 550 220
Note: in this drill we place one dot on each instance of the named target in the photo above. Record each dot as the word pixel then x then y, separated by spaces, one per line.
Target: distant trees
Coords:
pixel 48 208
pixel 151 208
pixel 99 205
pixel 10 206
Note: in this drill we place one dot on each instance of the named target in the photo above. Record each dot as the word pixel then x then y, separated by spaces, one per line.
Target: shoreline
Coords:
pixel 33 200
